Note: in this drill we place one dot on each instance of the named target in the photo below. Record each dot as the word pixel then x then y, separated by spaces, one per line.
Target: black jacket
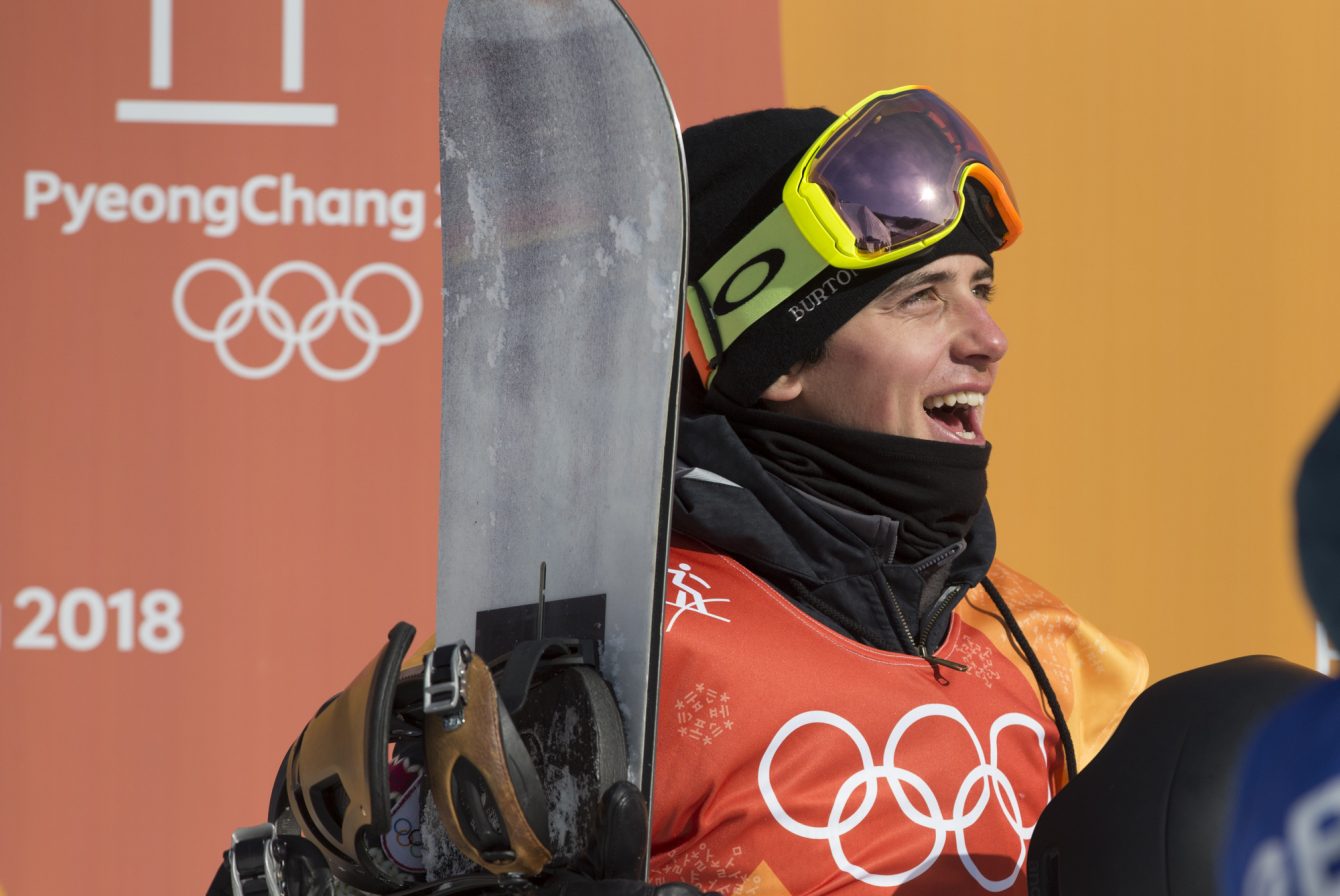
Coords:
pixel 835 564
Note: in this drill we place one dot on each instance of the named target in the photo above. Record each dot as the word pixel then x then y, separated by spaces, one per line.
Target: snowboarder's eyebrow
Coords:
pixel 923 277
pixel 916 280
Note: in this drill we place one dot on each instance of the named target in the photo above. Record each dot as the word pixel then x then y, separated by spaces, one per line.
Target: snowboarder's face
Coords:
pixel 894 368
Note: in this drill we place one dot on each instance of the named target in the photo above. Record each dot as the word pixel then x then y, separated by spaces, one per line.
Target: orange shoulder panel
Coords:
pixel 1096 677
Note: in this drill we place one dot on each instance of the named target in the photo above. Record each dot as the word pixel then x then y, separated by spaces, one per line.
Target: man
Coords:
pixel 854 692
pixel 1282 835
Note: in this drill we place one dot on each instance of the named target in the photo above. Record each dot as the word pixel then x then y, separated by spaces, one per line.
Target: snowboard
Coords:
pixel 564 241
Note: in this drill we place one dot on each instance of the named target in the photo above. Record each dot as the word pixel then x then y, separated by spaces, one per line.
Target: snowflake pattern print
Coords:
pixel 703 714
pixel 979 658
pixel 705 869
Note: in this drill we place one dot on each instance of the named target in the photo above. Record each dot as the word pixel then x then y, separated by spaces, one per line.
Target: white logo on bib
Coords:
pixel 690 599
pixel 974 794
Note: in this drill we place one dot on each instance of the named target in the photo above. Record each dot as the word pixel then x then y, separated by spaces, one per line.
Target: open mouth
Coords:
pixel 958 415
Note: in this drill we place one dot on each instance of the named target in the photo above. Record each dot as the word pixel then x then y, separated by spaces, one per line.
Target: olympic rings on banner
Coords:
pixel 977 788
pixel 279 322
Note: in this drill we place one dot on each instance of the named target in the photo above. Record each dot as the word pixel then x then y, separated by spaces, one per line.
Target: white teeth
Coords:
pixel 966 436
pixel 971 399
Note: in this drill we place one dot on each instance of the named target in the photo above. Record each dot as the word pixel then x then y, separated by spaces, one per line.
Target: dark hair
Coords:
pixel 815 355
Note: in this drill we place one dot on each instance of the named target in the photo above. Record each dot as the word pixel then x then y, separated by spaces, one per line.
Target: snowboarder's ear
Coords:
pixel 787 386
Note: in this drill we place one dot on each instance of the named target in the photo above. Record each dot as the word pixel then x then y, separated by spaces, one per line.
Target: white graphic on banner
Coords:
pixel 158 111
pixel 262 200
pixel 687 598
pixel 279 323
pixel 977 787
pixel 83 619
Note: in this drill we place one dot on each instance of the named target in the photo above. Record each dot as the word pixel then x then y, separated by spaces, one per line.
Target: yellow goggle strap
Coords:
pixel 764 269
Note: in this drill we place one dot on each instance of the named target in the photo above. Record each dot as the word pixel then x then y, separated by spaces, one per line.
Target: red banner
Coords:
pixel 219 401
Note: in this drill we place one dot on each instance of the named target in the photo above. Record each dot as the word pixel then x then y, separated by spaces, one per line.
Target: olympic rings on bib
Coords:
pixel 279 322
pixel 977 789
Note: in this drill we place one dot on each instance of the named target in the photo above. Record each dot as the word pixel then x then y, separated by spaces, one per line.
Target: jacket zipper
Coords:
pixel 937 610
pixel 897 610
pixel 948 553
pixel 919 644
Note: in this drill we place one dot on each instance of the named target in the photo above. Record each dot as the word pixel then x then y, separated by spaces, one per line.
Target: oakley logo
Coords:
pixel 922 808
pixel 723 304
pixel 279 323
pixel 820 294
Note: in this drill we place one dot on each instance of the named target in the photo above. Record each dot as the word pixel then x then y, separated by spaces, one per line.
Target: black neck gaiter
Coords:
pixel 934 490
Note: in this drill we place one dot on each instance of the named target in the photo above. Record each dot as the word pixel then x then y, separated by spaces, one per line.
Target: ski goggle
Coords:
pixel 886 180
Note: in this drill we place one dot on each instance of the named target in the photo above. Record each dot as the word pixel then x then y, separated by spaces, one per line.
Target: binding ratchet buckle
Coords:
pixel 446 698
pixel 252 865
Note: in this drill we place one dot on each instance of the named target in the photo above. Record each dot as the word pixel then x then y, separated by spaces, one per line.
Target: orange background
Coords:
pixel 1168 309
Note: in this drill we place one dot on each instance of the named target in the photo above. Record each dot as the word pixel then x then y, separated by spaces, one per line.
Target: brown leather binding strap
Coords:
pixel 337 778
pixel 478 742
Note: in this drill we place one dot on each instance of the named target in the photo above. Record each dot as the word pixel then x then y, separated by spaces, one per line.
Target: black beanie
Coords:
pixel 737 167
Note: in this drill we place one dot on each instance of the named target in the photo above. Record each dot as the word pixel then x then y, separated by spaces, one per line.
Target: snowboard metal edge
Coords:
pixel 647 772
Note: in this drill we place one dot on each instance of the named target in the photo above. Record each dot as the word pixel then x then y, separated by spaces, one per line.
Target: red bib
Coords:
pixel 791 759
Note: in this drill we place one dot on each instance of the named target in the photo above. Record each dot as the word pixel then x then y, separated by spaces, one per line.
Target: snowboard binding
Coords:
pixel 518 759
pixel 264 863
pixel 437 766
pixel 485 784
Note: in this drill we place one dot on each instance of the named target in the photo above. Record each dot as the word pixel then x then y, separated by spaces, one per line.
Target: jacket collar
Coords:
pixel 723 497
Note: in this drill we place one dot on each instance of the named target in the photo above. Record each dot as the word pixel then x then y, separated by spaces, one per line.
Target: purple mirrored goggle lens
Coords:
pixel 892 172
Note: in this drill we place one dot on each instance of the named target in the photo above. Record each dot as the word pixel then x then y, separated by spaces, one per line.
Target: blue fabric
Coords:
pixel 1284 835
